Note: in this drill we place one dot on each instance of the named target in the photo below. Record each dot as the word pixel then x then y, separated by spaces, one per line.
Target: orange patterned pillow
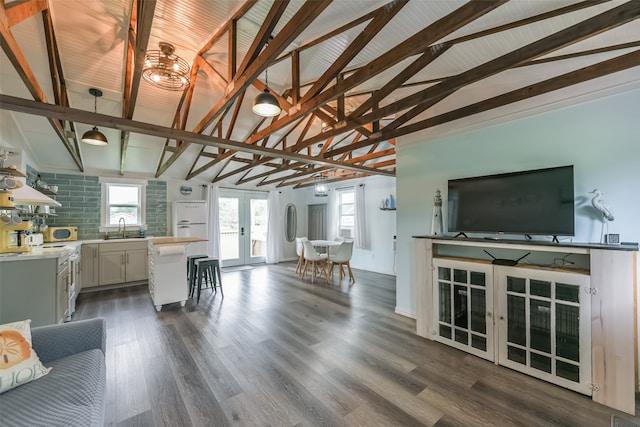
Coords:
pixel 19 364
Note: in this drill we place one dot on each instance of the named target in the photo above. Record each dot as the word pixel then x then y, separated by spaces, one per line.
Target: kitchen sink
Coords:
pixel 125 238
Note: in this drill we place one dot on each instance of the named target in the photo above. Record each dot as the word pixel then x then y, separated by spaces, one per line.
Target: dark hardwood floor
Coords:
pixel 280 351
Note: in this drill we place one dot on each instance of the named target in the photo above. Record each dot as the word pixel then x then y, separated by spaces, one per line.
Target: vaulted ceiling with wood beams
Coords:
pixel 353 79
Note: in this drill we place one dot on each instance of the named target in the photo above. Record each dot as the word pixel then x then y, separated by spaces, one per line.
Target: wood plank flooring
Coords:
pixel 280 351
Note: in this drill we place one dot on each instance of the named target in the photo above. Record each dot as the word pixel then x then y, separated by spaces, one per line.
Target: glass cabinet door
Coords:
pixel 464 306
pixel 544 325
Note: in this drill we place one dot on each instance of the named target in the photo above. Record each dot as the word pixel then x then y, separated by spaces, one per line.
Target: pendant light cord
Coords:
pixel 95 104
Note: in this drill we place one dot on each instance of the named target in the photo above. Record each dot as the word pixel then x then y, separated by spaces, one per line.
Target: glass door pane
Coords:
pixel 258 228
pixel 230 241
pixel 545 326
pixel 243 227
pixel 464 304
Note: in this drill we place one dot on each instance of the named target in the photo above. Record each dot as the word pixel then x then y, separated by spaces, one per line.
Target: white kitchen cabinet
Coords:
pixel 122 262
pixel 34 288
pixel 90 265
pixel 112 267
pixel 168 271
pixel 136 265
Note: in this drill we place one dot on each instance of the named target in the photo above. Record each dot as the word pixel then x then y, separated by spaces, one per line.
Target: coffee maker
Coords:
pixel 12 234
pixel 12 237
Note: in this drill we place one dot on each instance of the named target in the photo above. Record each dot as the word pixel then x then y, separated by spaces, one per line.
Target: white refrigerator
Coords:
pixel 189 219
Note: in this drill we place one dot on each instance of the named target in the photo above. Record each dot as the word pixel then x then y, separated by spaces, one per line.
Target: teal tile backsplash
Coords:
pixel 80 199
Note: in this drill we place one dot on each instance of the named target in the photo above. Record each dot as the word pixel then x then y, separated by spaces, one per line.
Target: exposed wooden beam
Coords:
pixel 232 50
pixel 12 103
pixel 329 180
pixel 526 21
pixel 423 99
pixel 578 32
pixel 19 62
pixel 610 66
pixel 305 15
pixel 382 18
pixel 415 44
pixel 264 33
pixel 239 13
pixel 18 11
pixel 140 29
pixel 295 77
pixel 422 61
pixel 162 167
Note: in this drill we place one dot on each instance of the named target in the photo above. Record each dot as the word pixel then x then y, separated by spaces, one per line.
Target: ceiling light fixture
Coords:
pixel 164 69
pixel 94 136
pixel 265 104
pixel 321 186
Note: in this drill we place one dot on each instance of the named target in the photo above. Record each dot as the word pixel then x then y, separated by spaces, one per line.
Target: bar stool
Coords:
pixel 191 270
pixel 207 268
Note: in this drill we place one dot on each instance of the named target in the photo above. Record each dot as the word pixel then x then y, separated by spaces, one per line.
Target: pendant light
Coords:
pixel 94 136
pixel 265 104
pixel 320 186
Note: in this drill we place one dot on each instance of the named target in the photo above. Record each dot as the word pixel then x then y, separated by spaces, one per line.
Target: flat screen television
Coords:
pixel 537 201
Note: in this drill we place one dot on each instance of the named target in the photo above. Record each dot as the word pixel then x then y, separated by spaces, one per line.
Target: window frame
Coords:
pixel 105 183
pixel 340 192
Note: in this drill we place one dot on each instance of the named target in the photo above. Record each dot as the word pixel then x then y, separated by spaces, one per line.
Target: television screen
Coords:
pixel 529 202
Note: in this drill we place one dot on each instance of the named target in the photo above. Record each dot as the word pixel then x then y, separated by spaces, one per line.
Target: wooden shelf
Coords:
pixel 12 172
pixel 46 191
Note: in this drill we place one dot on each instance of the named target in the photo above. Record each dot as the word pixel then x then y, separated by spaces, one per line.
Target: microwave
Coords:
pixel 60 234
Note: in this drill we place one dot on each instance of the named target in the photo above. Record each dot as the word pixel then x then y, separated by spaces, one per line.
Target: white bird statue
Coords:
pixel 600 206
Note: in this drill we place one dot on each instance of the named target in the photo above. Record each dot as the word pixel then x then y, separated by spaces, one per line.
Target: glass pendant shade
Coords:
pixel 94 137
pixel 321 186
pixel 266 105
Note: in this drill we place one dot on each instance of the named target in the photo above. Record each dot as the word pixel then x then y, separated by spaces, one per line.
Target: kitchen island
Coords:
pixel 168 270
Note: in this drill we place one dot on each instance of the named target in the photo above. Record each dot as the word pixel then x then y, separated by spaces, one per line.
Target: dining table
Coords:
pixel 328 244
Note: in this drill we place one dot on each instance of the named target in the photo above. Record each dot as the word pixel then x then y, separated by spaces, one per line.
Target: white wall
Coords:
pixel 600 138
pixel 380 225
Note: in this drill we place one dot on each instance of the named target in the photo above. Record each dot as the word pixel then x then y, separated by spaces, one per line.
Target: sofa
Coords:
pixel 73 393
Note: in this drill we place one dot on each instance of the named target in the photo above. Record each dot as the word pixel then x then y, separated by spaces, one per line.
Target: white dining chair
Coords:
pixel 300 253
pixel 317 260
pixel 341 258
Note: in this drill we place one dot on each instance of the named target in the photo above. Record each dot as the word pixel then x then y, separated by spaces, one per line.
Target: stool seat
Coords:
pixel 191 270
pixel 206 269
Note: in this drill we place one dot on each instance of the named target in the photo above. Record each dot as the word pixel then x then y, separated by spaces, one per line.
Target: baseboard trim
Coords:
pixel 405 313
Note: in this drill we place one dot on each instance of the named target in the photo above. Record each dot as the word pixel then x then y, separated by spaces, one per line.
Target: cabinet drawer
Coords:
pixel 123 245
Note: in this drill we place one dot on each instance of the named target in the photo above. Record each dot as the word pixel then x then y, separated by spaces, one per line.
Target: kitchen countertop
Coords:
pixel 41 252
pixel 174 240
pixel 58 249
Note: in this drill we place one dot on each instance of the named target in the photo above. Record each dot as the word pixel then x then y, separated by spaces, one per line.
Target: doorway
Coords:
pixel 243 227
pixel 317 222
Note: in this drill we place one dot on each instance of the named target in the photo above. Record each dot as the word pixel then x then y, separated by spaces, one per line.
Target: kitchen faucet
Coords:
pixel 124 227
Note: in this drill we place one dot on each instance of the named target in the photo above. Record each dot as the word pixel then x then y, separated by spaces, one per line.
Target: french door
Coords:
pixel 243 227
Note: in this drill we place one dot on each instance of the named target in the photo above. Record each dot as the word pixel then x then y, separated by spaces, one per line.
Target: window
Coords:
pixel 346 213
pixel 122 199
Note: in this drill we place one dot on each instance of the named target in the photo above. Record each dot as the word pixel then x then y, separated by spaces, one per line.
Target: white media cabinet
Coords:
pixel 574 327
